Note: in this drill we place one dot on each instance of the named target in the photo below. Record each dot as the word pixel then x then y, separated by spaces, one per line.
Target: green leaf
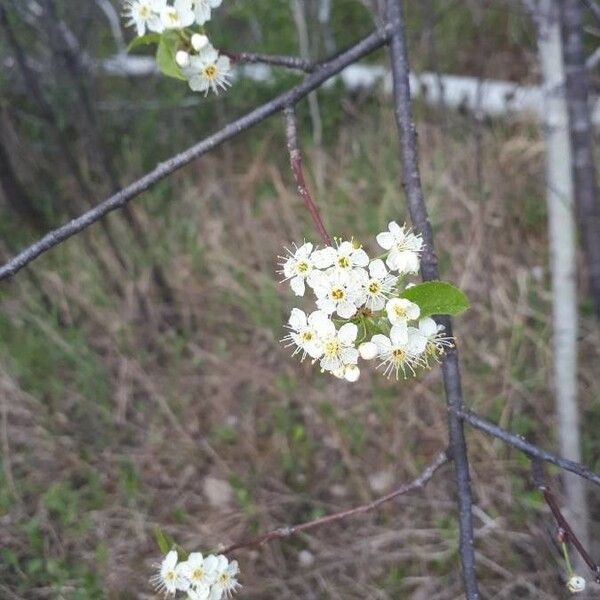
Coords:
pixel 165 57
pixel 162 541
pixel 437 298
pixel 144 40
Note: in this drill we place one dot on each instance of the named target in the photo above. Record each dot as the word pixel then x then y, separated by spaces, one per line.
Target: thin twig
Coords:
pixel 284 532
pixel 565 530
pixel 296 165
pixel 429 270
pixel 120 199
pixel 526 447
pixel 594 8
pixel 289 62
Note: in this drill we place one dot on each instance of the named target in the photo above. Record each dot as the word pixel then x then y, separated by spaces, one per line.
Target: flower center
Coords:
pixel 400 311
pixel 210 72
pixel 302 266
pixel 337 294
pixel 343 262
pixel 307 336
pixel 398 354
pixel 144 12
pixel 198 574
pixel 374 287
pixel 331 348
pixel 170 576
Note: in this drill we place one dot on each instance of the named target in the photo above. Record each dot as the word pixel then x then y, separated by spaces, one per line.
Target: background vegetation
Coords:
pixel 125 402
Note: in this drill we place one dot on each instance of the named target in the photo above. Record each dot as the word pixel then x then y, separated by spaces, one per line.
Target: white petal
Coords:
pixel 377 269
pixel 170 560
pixel 326 305
pixel 368 350
pixel 360 258
pixel 349 356
pixel 297 321
pixel 346 310
pixel 297 285
pixel 322 324
pixel 198 84
pixel 385 240
pixel 319 282
pixel 324 258
pixel 399 335
pixel 304 251
pixel 417 342
pixel 395 229
pixel 347 333
pixel 382 342
pixel 351 373
pixel 428 327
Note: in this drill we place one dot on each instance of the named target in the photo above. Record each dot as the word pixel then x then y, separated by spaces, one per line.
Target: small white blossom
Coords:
pixel 199 42
pixel 367 350
pixel 297 266
pixel 401 310
pixel 434 341
pixel 178 16
pixel 404 248
pixel 203 8
pixel 398 352
pixel 338 346
pixel 376 286
pixel 182 58
pixel 576 584
pixel 169 579
pixel 199 571
pixel 305 332
pixel 344 257
pixel 336 291
pixel 144 14
pixel 226 583
pixel 208 71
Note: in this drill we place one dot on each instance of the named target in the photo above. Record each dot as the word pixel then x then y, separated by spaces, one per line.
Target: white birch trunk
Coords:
pixel 561 234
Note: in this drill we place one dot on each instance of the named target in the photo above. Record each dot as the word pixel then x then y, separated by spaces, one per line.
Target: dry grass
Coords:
pixel 135 421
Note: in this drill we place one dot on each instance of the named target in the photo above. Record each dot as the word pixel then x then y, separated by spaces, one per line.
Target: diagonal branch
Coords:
pixel 526 447
pixel 289 62
pixel 296 165
pixel 420 220
pixel 121 198
pixel 283 532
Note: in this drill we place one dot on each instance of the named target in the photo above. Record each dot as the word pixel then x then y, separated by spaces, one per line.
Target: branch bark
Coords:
pixel 429 271
pixel 122 197
pixel 284 532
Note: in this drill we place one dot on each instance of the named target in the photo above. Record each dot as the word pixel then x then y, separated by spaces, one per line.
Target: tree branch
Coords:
pixel 526 447
pixel 296 165
pixel 283 532
pixel 289 62
pixel 326 70
pixel 420 220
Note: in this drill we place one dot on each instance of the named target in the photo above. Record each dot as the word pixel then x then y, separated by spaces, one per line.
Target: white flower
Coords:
pixel 178 16
pixel 404 248
pixel 344 257
pixel 297 267
pixel 338 346
pixel 367 350
pixel 432 338
pixel 305 334
pixel 144 14
pixel 199 592
pixel 169 578
pixel 199 571
pixel 182 58
pixel 401 310
pixel 199 41
pixel 208 71
pixel 336 291
pixel 376 285
pixel 351 373
pixel 202 9
pixel 397 352
pixel 226 583
pixel 576 584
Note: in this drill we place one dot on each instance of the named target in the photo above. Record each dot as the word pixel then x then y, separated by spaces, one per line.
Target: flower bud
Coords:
pixel 182 58
pixel 367 350
pixel 576 584
pixel 199 41
pixel 351 373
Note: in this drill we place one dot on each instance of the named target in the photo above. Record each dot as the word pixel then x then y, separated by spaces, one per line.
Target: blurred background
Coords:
pixel 142 381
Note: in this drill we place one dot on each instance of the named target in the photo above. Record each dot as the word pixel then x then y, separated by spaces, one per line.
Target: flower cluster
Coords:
pixel 360 309
pixel 184 50
pixel 201 578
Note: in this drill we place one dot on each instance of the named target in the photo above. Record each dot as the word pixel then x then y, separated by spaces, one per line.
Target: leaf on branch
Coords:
pixel 144 40
pixel 165 57
pixel 437 298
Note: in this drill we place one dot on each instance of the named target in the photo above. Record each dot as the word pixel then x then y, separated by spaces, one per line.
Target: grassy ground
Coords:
pixel 119 412
pixel 114 421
